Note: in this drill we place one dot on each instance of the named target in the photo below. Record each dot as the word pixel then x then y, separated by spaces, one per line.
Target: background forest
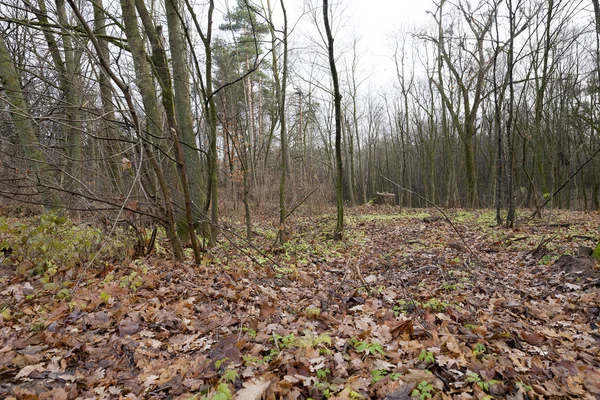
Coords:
pixel 183 159
pixel 180 110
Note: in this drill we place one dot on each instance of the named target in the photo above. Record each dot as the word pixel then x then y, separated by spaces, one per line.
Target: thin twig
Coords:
pixel 300 203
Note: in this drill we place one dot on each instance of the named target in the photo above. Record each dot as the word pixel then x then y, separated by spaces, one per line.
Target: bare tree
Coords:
pixel 337 100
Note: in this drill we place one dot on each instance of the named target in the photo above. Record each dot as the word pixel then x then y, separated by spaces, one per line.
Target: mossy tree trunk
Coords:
pixel 28 141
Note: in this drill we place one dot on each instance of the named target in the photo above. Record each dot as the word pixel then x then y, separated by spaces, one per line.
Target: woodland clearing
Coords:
pixel 402 307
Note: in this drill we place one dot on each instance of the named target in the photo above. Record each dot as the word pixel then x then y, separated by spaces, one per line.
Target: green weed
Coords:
pixel 422 391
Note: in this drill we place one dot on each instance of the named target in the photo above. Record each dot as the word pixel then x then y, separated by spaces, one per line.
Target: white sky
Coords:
pixel 373 21
pixel 376 21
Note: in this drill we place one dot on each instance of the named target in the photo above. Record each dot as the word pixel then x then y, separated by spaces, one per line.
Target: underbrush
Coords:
pixel 51 242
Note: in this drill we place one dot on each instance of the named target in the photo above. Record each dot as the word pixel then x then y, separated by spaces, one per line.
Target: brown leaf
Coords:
pixel 253 390
pixel 128 326
pixel 401 394
pixel 28 370
pixel 55 394
pixel 266 310
pixel 418 375
pixel 567 366
pixel 533 338
pixel 591 380
pixel 397 328
pixel 99 320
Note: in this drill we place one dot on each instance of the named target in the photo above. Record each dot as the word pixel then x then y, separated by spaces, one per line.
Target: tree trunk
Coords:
pixel 183 108
pixel 108 109
pixel 337 99
pixel 28 141
pixel 146 87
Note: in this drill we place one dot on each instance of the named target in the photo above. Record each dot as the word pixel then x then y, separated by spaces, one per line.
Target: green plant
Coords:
pixel 38 326
pixel 222 393
pixel 230 375
pixel 475 378
pixel 283 341
pixel 269 357
pixel 368 348
pixel 423 390
pixel 449 286
pixel 479 349
pixel 546 260
pixel 526 387
pixel 64 294
pixel 132 281
pixel 403 307
pixel 427 357
pixel 378 374
pixel 435 304
pixel 322 373
pixel 251 332
pixel 250 359
pixel 105 297
pixel 312 312
pixel 52 241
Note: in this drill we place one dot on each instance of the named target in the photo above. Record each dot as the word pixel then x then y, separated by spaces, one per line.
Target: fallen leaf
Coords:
pixel 533 338
pixel 28 370
pixel 591 380
pixel 253 390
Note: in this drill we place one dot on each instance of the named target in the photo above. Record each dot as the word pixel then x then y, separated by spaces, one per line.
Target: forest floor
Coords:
pixel 402 308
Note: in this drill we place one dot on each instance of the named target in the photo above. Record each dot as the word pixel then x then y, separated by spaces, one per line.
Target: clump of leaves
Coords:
pixel 54 240
pixel 368 348
pixel 222 393
pixel 312 312
pixel 379 374
pixel 427 357
pixel 423 390
pixel 479 349
pixel 436 305
pixel 476 379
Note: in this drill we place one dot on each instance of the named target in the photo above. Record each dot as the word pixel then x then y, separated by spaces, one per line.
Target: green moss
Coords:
pixel 596 253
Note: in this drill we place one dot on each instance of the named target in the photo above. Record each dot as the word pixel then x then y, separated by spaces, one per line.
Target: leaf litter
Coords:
pixel 518 321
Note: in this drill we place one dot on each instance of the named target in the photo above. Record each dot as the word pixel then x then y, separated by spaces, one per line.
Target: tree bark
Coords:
pixel 146 86
pixel 28 141
pixel 108 109
pixel 337 100
pixel 183 108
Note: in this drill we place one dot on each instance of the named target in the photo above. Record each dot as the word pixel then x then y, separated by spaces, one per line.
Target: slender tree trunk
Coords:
pixel 169 101
pixel 108 109
pixel 337 99
pixel 28 141
pixel 183 108
pixel 68 76
pixel 212 122
pixel 146 86
pixel 350 162
pixel 280 88
pixel 510 134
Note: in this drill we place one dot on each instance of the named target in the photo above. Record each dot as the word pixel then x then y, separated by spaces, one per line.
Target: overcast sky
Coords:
pixel 376 21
